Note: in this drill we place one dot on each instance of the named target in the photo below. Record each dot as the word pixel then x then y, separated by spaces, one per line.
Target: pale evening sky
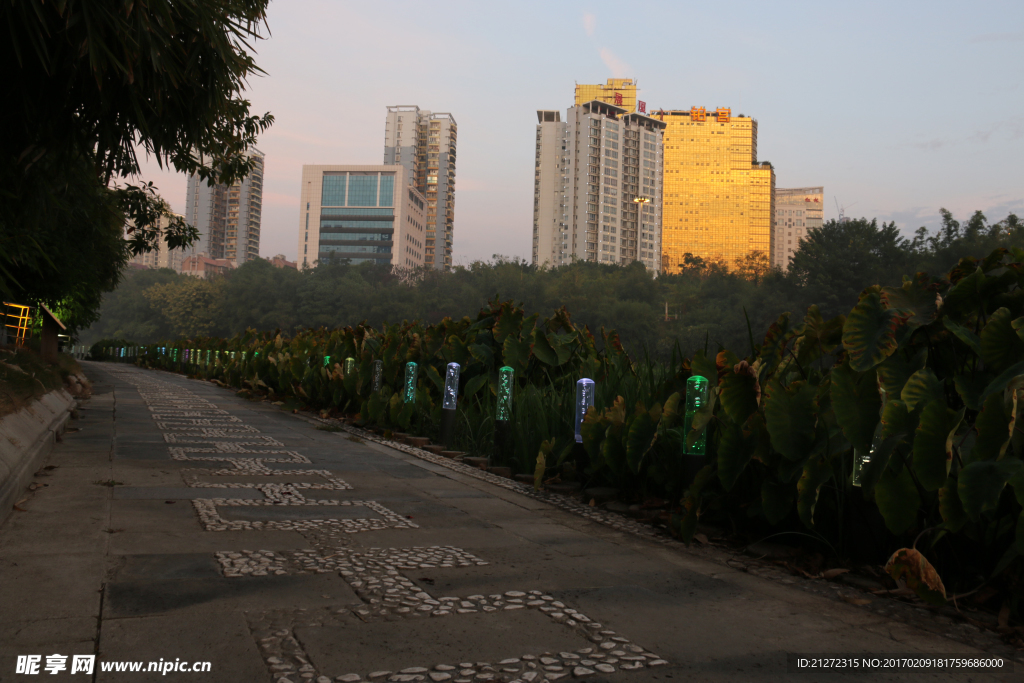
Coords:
pixel 896 108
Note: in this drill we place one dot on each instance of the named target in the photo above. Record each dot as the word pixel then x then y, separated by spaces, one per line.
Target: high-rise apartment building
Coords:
pixel 424 144
pixel 161 256
pixel 366 214
pixel 797 211
pixel 717 197
pixel 597 186
pixel 618 91
pixel 228 216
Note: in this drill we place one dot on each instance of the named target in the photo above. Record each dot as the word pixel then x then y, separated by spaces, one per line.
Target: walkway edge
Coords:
pixel 26 438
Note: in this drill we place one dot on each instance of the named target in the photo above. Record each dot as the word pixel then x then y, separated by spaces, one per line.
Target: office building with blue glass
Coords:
pixel 361 214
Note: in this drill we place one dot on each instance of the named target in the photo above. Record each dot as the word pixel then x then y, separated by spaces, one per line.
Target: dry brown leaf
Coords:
pixel 853 600
pixel 833 573
pixel 1004 615
pixel 910 566
pixel 593 502
pixel 701 538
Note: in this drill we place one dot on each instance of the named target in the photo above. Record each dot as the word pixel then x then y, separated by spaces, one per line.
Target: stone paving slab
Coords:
pixel 289 554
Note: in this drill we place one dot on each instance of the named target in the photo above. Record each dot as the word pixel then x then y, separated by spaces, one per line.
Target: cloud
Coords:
pixel 998 38
pixel 618 67
pixel 589 23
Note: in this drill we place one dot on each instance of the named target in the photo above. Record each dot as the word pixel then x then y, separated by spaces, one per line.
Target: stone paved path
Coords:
pixel 181 522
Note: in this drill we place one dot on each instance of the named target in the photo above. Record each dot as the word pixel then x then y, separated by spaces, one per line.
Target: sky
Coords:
pixel 897 108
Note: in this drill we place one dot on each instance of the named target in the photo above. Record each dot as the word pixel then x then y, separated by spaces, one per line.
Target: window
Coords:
pixel 333 193
pixel 362 190
pixel 387 190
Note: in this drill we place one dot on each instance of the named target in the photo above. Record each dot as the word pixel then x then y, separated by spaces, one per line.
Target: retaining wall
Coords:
pixel 26 438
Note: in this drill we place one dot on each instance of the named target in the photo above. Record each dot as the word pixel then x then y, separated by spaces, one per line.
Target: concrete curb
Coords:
pixel 26 438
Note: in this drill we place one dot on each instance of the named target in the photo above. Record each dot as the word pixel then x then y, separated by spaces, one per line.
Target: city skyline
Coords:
pixel 896 111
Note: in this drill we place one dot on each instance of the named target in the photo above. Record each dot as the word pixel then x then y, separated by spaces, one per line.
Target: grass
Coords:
pixel 24 377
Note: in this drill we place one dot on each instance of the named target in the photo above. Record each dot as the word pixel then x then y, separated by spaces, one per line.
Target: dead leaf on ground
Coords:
pixel 701 538
pixel 593 502
pixel 1004 615
pixel 910 566
pixel 833 573
pixel 853 600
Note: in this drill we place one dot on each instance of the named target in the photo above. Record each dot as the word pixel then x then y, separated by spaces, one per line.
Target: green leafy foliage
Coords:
pixel 902 379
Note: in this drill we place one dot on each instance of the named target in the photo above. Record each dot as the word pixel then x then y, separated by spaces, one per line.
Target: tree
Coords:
pixel 87 84
pixel 835 262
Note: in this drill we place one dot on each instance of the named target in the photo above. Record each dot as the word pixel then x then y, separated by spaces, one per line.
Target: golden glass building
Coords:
pixel 618 91
pixel 717 198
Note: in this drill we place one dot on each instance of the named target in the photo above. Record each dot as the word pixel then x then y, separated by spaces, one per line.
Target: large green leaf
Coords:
pixel 894 372
pixel 963 334
pixel 997 385
pixel 562 344
pixel 705 367
pixel 509 321
pixel 516 353
pixel 734 452
pixel 950 507
pixel 817 471
pixel 434 377
pixel 483 353
pixel 738 395
pixel 776 500
pixel 1018 326
pixel 913 296
pixel 869 335
pixel 856 404
pixel 970 387
pixel 790 414
pixel 922 387
pixel 642 434
pixel 994 430
pixel 896 426
pixel 1000 345
pixel 542 349
pixel 933 443
pixel 475 384
pixel 981 483
pixel 965 297
pixel 898 500
pixel 774 342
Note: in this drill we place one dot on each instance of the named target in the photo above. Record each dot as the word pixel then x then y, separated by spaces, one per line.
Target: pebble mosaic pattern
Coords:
pixel 199 431
pixel 375 576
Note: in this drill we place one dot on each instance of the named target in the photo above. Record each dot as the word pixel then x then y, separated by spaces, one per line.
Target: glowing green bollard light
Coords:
pixel 449 401
pixel 696 396
pixel 502 413
pixel 506 380
pixel 378 374
pixel 411 370
pixel 350 366
pixel 584 401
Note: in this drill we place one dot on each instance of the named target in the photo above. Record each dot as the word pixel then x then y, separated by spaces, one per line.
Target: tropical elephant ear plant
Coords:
pixel 919 415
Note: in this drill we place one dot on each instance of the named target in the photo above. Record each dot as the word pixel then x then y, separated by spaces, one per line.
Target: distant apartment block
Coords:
pixel 717 197
pixel 424 143
pixel 279 261
pixel 201 265
pixel 618 91
pixel 797 211
pixel 161 256
pixel 362 214
pixel 597 186
pixel 228 216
